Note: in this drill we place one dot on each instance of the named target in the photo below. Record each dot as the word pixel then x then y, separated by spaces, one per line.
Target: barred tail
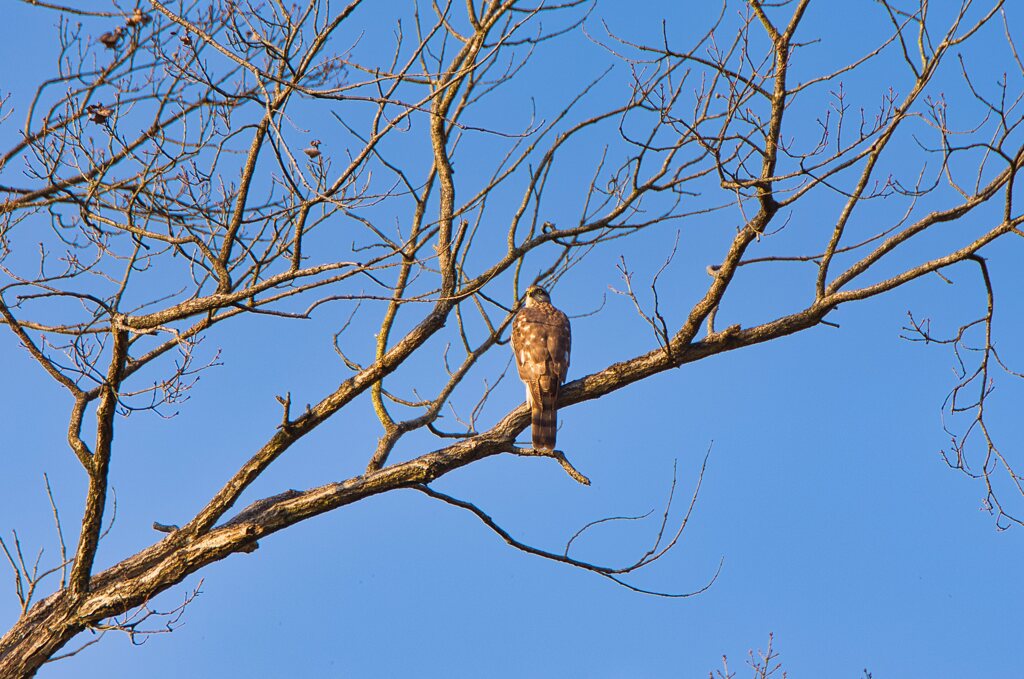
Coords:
pixel 545 422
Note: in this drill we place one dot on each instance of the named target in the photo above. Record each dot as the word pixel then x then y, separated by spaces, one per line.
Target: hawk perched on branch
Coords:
pixel 541 340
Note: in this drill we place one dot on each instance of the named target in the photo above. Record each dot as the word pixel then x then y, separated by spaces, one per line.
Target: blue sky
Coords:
pixel 838 526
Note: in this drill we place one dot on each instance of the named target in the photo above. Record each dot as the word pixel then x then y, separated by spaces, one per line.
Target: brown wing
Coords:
pixel 559 341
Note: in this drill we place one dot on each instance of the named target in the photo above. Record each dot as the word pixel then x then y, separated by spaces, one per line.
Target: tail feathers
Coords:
pixel 545 422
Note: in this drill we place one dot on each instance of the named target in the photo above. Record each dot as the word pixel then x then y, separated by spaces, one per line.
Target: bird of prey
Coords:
pixel 541 340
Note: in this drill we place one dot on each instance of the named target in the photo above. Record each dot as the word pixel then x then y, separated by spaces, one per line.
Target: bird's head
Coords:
pixel 535 294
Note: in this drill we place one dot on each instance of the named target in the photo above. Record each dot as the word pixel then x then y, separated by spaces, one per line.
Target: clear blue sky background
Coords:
pixel 839 528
